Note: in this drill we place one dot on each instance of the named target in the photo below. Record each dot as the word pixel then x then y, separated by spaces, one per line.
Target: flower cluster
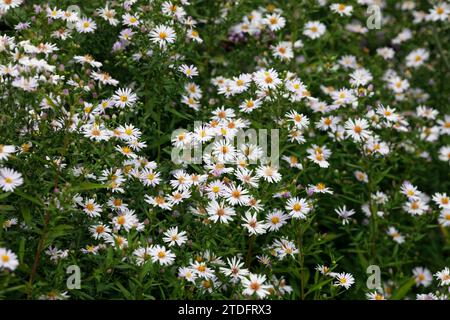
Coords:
pixel 246 150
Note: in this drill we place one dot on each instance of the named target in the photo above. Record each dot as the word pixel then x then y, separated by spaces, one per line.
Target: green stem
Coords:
pixel 251 242
pixel 37 256
pixel 373 217
pixel 301 261
pixel 439 45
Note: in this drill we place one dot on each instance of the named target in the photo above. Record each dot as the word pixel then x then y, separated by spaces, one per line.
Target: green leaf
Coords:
pixel 4 195
pixel 57 232
pixel 351 199
pixel 26 214
pixel 404 289
pixel 382 176
pixel 124 291
pixel 29 198
pixel 88 186
pixel 6 208
pixel 21 249
pixel 318 286
pixel 109 256
pixel 179 114
pixel 12 289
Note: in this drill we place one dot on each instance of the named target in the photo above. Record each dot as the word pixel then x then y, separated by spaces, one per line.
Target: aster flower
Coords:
pixel 8 259
pixel 163 35
pixel 314 29
pixel 345 280
pixel 124 98
pixel 255 284
pixel 10 179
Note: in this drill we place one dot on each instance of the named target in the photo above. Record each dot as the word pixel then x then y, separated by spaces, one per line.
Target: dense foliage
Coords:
pixel 98 96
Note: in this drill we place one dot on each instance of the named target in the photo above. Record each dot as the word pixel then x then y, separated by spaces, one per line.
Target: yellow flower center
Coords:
pixel 121 220
pixel 255 286
pixel 275 220
pixel 236 194
pixel 159 200
pixel 201 268
pixel 126 150
pixel 268 79
pixel 320 186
